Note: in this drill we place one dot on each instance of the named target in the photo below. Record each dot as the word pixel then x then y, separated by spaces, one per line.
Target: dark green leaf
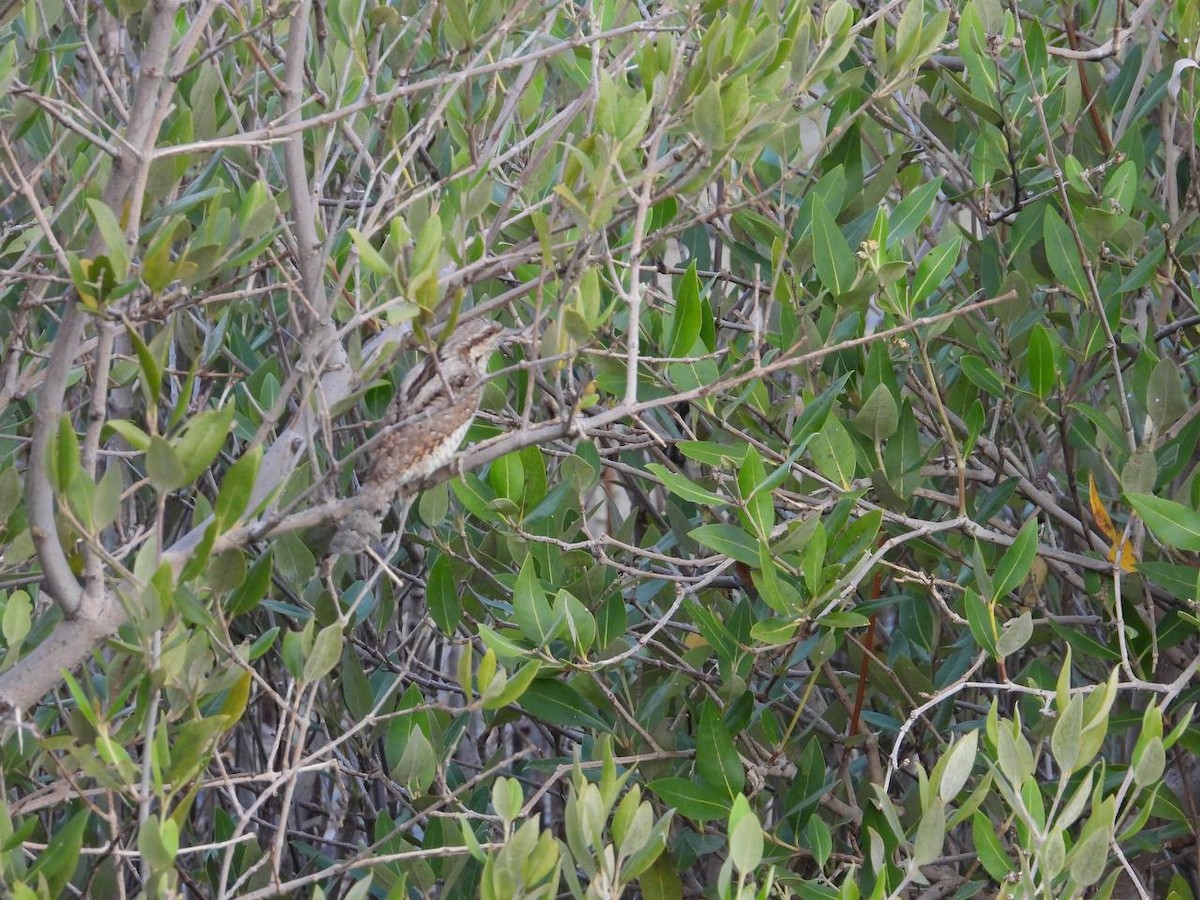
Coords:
pixel 1016 562
pixel 684 327
pixel 831 253
pixel 933 269
pixel 441 595
pixel 1039 362
pixel 729 540
pixel 759 504
pixel 251 591
pixel 698 802
pixel 1063 254
pixel 717 761
pixel 981 621
pixel 558 703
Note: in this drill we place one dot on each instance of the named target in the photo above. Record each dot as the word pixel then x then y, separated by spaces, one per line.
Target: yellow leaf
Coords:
pixel 1127 558
pixel 1104 523
pixel 235 700
pixel 1099 513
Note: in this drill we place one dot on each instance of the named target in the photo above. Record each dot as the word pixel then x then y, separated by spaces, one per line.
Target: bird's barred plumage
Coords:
pixel 423 426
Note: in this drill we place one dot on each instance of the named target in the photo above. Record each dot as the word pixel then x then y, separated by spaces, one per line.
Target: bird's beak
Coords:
pixel 511 336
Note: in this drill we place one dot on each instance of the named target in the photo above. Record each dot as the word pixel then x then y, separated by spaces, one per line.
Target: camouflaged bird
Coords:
pixel 422 428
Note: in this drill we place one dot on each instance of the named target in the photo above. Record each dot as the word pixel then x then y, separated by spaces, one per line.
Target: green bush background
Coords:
pixel 836 536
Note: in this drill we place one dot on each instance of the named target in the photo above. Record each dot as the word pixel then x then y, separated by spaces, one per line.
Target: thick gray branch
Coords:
pixel 304 220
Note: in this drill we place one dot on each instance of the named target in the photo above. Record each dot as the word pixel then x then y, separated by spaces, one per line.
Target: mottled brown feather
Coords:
pixel 423 426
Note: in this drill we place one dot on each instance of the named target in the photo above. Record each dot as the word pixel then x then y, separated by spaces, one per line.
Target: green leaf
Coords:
pixel 114 238
pixel 202 441
pixel 1016 562
pixel 981 621
pixel 417 765
pixel 933 269
pixel 151 370
pixel 816 412
pixel 990 849
pixel 1015 634
pixel 931 834
pixel 819 839
pixel 158 269
pixel 684 329
pixel 1165 400
pixel 368 255
pixel 711 453
pixel 578 622
pixel 257 211
pixel 708 118
pixel 325 653
pixel 107 501
pixel 507 477
pixel 441 596
pixel 18 616
pixel 1039 362
pixel 698 802
pixel 831 253
pixel 476 496
pixel 760 505
pixel 1063 253
pixel 1090 856
pixel 661 880
pixel 356 689
pixel 558 703
pixel 746 843
pixel 1064 740
pixel 729 540
pixel 11 490
pixel 503 644
pixel 912 210
pixel 252 590
pixel 717 761
pixel 879 417
pixel 1150 763
pixel 65 463
pixel 981 375
pixel 531 609
pixel 156 844
pixel 833 453
pixel 236 488
pixel 227 570
pixel 1173 523
pixel 134 436
pixel 58 861
pixel 1140 471
pixel 163 465
pixel 515 687
pixel 682 487
pixel 954 768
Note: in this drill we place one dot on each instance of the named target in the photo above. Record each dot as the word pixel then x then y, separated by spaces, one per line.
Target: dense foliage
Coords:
pixel 835 535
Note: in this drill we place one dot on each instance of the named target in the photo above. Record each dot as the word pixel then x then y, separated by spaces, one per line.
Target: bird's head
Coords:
pixel 475 341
